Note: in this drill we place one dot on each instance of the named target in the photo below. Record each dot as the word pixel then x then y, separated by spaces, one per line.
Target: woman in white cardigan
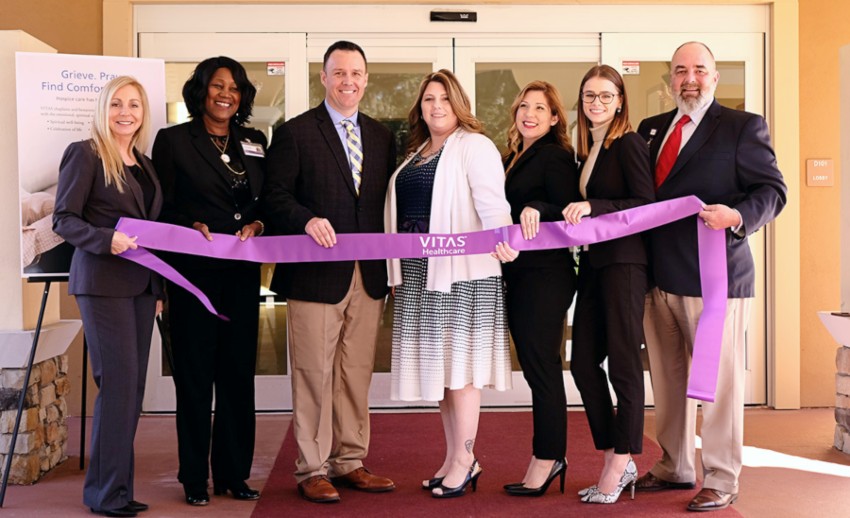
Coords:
pixel 450 334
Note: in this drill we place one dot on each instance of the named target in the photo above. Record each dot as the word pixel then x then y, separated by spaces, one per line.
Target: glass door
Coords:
pixel 396 66
pixel 276 65
pixel 644 61
pixel 493 70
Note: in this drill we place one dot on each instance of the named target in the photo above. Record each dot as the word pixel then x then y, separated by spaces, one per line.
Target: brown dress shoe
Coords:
pixel 711 500
pixel 318 489
pixel 649 482
pixel 363 480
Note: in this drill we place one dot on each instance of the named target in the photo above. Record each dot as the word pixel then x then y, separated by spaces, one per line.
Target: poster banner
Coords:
pixel 56 98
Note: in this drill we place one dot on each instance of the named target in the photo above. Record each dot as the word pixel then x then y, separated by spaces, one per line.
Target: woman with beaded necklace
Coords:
pixel 212 171
pixel 450 335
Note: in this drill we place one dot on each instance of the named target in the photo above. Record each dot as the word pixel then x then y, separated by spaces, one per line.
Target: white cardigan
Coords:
pixel 469 195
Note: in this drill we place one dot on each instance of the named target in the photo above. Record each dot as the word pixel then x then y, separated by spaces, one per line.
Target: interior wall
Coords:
pixel 77 27
pixel 823 30
pixel 71 27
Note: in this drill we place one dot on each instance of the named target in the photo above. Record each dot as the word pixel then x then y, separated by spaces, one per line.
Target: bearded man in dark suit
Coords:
pixel 328 171
pixel 724 157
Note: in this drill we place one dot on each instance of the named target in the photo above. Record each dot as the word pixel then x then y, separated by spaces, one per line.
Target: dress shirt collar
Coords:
pixel 696 116
pixel 337 117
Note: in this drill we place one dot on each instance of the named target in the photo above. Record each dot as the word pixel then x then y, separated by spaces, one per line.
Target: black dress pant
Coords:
pixel 537 301
pixel 608 323
pixel 211 354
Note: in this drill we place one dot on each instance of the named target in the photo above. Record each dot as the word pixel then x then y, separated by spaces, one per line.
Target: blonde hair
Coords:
pixel 103 141
pixel 619 126
pixel 458 100
pixel 553 99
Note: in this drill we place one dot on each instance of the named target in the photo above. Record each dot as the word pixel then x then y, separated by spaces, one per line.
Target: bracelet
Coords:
pixel 262 227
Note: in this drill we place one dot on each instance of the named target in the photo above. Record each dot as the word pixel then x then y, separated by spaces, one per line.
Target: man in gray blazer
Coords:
pixel 328 171
pixel 724 157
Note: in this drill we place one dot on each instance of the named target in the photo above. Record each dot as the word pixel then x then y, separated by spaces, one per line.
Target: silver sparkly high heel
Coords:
pixel 629 477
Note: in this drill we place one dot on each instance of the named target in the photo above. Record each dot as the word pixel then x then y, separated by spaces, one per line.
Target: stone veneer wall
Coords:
pixel 43 433
pixel 842 399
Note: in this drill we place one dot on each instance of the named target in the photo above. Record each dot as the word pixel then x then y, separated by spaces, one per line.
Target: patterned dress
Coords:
pixel 442 340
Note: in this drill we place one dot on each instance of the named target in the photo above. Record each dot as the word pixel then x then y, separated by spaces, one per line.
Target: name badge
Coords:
pixel 252 149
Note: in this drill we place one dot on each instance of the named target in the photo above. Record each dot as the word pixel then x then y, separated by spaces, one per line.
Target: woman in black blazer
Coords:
pixel 212 171
pixel 541 179
pixel 612 283
pixel 101 180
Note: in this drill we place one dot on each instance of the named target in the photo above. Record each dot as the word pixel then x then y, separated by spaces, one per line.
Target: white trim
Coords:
pixel 406 19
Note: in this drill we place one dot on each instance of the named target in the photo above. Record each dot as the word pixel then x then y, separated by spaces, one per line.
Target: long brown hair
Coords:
pixel 619 126
pixel 458 100
pixel 553 99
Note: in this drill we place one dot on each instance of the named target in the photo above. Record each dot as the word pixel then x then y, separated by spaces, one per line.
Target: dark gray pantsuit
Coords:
pixel 117 300
pixel 113 340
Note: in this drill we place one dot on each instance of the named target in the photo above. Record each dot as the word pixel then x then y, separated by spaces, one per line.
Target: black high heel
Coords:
pixel 471 478
pixel 432 483
pixel 558 468
pixel 239 490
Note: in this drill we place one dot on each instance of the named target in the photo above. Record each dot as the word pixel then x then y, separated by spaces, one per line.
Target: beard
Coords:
pixel 689 105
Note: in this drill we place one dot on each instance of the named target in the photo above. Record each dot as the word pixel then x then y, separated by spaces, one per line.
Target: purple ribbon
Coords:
pixel 302 248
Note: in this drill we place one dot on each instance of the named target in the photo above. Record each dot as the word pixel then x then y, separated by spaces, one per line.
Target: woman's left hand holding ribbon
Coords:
pixel 575 211
pixel 505 253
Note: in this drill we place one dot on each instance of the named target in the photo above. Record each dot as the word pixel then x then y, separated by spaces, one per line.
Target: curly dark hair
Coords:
pixel 195 89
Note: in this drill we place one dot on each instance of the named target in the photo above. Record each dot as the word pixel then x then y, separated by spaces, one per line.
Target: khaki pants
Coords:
pixel 670 325
pixel 332 353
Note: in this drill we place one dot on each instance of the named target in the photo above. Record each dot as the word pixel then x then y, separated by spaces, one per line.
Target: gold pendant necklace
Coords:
pixel 224 156
pixel 222 149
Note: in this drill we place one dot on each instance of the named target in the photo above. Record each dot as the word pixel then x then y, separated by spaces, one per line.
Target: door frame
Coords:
pixel 741 18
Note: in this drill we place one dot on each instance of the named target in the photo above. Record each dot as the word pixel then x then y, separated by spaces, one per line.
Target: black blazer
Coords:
pixel 728 160
pixel 621 179
pixel 309 176
pixel 196 185
pixel 85 215
pixel 544 177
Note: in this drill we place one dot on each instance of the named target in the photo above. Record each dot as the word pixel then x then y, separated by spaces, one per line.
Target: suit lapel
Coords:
pixel 156 204
pixel 201 141
pixel 658 138
pixel 135 188
pixel 530 152
pixel 255 176
pixel 598 168
pixel 329 132
pixel 706 127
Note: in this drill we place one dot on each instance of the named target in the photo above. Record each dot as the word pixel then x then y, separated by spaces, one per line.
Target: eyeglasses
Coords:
pixel 604 97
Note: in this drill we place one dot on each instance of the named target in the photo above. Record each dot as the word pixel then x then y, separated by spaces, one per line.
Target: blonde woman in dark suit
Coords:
pixel 101 180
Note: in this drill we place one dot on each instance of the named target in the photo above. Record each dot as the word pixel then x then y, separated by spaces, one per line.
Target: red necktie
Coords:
pixel 669 152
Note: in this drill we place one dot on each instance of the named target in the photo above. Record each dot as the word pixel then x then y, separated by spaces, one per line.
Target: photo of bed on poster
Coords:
pixel 56 98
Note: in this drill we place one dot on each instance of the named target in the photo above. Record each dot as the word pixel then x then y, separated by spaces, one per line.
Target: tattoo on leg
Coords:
pixel 468 444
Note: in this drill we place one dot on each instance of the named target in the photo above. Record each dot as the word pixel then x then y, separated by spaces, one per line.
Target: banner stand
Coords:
pixel 21 400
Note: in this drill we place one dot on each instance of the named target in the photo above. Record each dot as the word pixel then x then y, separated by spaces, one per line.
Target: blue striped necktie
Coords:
pixel 355 153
